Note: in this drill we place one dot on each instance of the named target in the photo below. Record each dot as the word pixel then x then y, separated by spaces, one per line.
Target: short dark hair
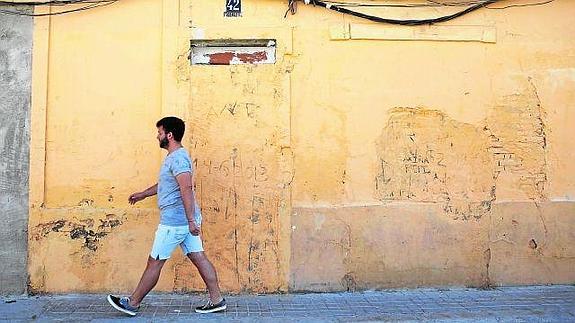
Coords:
pixel 174 125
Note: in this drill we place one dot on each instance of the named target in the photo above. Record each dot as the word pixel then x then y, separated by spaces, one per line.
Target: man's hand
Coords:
pixel 136 197
pixel 194 228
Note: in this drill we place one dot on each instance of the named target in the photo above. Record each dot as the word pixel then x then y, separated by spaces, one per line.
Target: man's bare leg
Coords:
pixel 148 281
pixel 208 273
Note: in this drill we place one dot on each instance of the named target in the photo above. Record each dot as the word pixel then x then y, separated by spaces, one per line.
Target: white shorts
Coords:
pixel 168 238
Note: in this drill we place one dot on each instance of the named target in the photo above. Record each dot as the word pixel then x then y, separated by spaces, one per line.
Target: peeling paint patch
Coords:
pixel 518 134
pixel 230 55
pixel 110 222
pixel 90 237
pixel 486 278
pixel 426 156
pixel 229 58
pixel 349 283
pixel 86 202
pixel 83 230
pixel 42 230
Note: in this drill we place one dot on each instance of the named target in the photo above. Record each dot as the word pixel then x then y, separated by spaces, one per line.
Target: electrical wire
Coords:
pixel 47 3
pixel 292 7
pixel 430 3
pixel 90 5
pixel 400 5
pixel 406 22
pixel 471 5
pixel 465 3
pixel 523 5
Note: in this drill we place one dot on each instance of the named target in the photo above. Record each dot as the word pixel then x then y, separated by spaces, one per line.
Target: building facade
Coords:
pixel 331 153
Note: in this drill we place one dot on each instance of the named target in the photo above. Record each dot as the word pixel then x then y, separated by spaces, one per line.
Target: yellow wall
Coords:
pixel 356 161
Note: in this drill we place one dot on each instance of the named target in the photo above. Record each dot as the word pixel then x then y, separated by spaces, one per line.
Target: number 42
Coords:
pixel 233 5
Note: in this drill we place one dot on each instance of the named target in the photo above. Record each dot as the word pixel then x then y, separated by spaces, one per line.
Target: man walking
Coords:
pixel 180 223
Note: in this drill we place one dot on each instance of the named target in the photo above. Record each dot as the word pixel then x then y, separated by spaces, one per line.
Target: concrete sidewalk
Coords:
pixel 537 303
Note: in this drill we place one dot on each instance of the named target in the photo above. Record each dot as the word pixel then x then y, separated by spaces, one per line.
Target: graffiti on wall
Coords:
pixel 242 175
pixel 425 156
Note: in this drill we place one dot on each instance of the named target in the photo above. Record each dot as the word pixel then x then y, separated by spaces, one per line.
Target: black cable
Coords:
pixel 455 3
pixel 292 7
pixel 430 3
pixel 522 5
pixel 409 22
pixel 48 3
pixel 91 4
pixel 400 5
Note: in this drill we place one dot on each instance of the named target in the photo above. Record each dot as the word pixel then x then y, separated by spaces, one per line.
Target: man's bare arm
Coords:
pixel 150 191
pixel 186 190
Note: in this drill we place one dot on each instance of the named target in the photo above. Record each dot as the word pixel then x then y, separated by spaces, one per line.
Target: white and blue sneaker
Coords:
pixel 122 304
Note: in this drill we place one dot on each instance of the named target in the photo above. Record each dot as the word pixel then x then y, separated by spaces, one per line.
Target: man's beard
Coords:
pixel 164 143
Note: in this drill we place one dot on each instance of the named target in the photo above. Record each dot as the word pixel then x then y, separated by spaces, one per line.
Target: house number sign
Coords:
pixel 233 8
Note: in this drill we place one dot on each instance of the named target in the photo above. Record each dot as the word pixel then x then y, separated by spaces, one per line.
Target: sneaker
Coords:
pixel 211 307
pixel 122 304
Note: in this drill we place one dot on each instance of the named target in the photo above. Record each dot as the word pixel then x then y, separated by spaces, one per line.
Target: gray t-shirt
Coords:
pixel 172 211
